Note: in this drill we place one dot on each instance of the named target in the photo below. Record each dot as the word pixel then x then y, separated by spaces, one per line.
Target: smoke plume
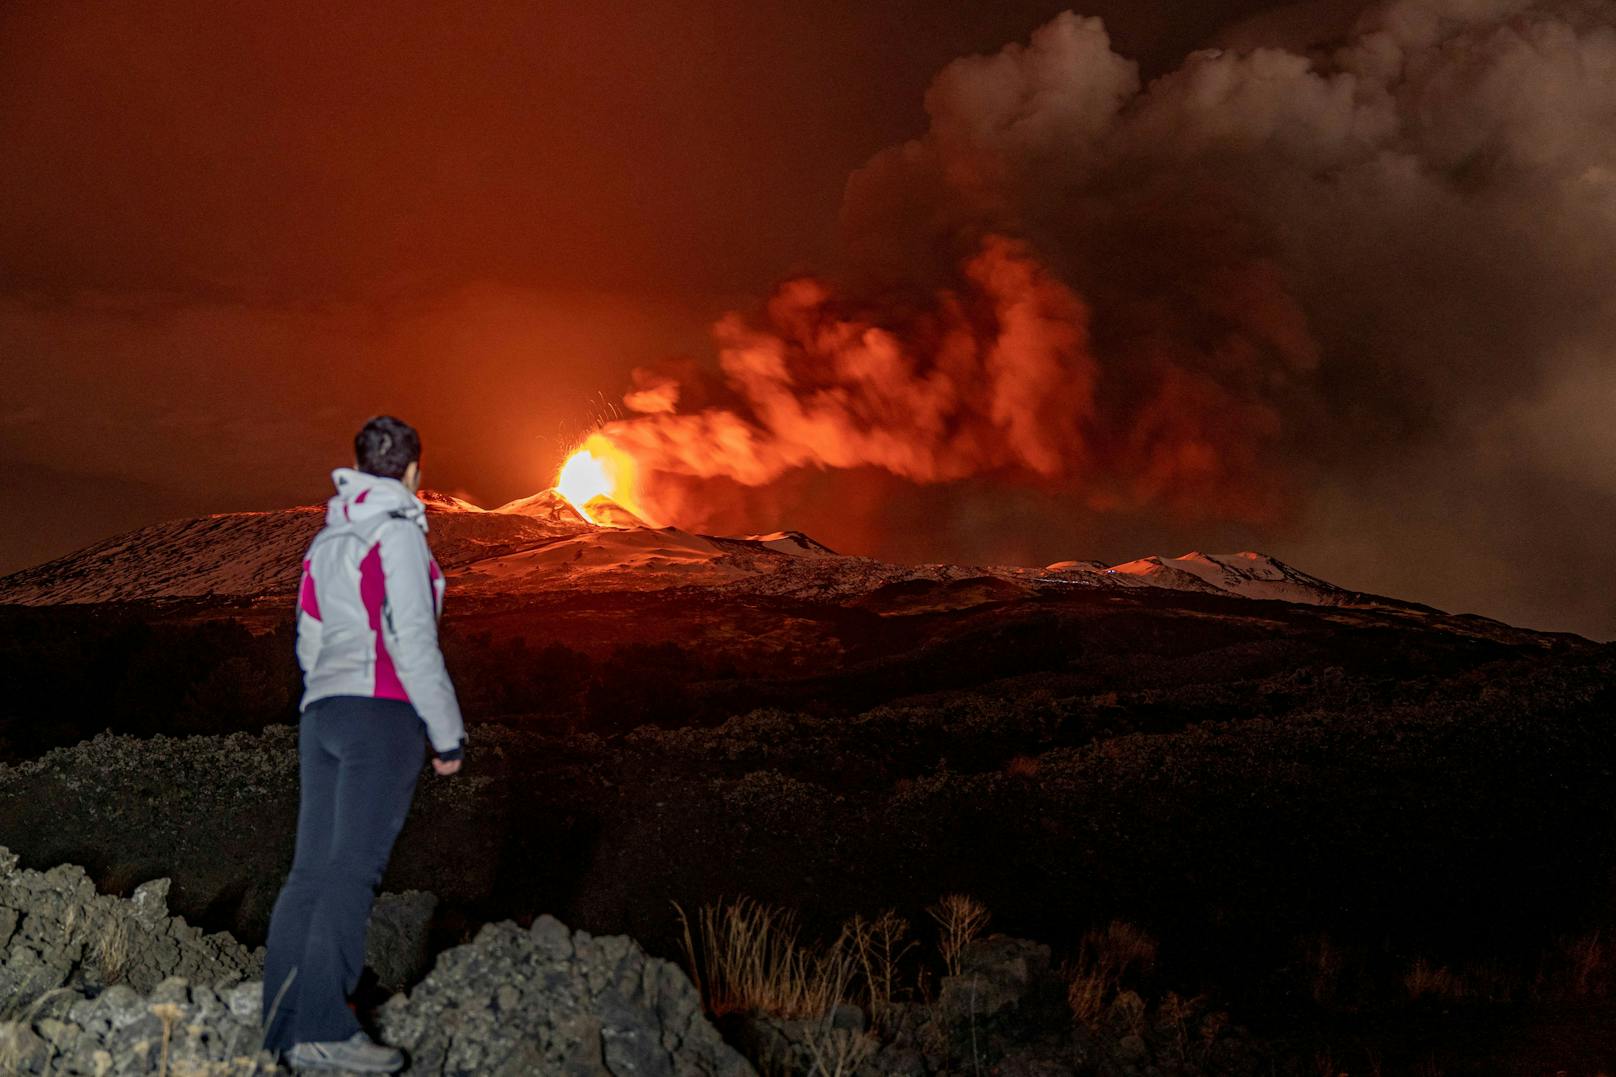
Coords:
pixel 1342 285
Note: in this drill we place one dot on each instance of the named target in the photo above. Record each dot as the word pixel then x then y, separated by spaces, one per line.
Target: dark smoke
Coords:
pixel 1345 298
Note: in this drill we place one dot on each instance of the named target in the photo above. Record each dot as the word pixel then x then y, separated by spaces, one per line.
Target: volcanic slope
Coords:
pixel 1221 748
pixel 185 627
pixel 542 543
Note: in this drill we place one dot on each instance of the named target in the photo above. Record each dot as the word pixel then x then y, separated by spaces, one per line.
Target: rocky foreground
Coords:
pixel 98 985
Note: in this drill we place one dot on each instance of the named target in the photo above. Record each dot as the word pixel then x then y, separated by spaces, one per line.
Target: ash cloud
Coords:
pixel 1340 287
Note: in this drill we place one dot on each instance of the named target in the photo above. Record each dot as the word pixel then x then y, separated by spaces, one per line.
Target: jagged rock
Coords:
pixel 996 973
pixel 178 1028
pixel 549 1001
pixel 545 1000
pixel 57 932
pixel 836 1042
pixel 150 900
pixel 512 1002
pixel 396 943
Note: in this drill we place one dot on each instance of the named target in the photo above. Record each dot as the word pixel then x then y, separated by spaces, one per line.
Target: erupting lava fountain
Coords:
pixel 597 469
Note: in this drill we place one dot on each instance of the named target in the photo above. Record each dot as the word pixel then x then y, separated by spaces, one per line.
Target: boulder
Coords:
pixel 547 1000
pixel 996 974
pixel 836 1042
pixel 178 1027
pixel 56 932
pixel 397 943
pixel 543 1000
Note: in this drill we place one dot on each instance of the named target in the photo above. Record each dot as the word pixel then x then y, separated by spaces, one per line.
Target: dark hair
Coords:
pixel 386 447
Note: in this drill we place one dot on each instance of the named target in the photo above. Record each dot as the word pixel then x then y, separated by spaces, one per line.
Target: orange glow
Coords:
pixel 596 469
pixel 583 477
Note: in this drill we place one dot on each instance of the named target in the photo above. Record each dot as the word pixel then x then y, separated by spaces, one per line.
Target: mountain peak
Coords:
pixel 553 506
pixel 438 501
pixel 605 512
pixel 1248 574
pixel 545 541
pixel 546 505
pixel 793 542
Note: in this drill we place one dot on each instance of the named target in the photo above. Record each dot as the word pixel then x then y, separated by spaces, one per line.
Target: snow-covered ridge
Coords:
pixel 543 543
pixel 248 554
pixel 1247 574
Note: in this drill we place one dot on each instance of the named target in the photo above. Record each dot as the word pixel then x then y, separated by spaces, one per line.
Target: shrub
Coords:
pixel 1426 980
pixel 1104 961
pixel 879 946
pixel 750 961
pixel 960 919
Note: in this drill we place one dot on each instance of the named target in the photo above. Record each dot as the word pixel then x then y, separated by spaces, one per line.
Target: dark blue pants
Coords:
pixel 358 762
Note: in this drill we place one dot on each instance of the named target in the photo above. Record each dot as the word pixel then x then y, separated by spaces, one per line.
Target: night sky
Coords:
pixel 1346 300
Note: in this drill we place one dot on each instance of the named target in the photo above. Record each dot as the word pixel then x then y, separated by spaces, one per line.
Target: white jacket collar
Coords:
pixel 361 496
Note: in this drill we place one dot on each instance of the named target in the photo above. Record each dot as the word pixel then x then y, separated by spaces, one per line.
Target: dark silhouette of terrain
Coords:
pixel 1248 781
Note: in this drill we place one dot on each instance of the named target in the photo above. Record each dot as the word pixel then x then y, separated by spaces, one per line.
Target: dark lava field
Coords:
pixel 1240 779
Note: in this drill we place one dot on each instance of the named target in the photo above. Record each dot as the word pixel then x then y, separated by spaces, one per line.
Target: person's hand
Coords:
pixel 446 768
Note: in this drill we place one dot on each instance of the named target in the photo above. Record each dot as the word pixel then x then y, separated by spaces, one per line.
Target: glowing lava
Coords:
pixel 596 469
pixel 583 477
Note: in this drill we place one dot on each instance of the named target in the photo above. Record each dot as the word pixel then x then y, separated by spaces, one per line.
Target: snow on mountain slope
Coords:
pixel 1247 574
pixel 542 543
pixel 434 499
pixel 634 559
pixel 1254 575
pixel 234 553
pixel 599 511
pixel 545 505
pixel 793 542
pixel 613 557
pixel 250 553
pixel 608 513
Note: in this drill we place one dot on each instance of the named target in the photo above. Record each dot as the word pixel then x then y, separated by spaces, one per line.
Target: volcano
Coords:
pixel 1223 748
pixel 543 542
pixel 195 614
pixel 726 622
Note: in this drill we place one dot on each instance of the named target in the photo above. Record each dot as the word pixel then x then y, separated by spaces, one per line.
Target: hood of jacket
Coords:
pixel 362 497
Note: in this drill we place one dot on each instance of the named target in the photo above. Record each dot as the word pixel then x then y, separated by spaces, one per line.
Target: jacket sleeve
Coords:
pixel 410 627
pixel 310 629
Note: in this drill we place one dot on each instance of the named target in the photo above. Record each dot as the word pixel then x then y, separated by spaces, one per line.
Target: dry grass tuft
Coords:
pixel 1582 967
pixel 1579 967
pixel 837 1052
pixel 1086 995
pixel 961 919
pixel 750 961
pixel 1589 959
pixel 879 946
pixel 167 1013
pixel 1022 766
pixel 112 950
pixel 1105 958
pixel 1425 980
pixel 1130 1010
pixel 1122 947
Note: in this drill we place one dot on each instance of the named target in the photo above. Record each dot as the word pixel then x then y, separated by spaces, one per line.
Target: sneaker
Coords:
pixel 357 1053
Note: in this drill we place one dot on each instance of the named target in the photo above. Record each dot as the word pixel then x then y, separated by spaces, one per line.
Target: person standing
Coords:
pixel 376 694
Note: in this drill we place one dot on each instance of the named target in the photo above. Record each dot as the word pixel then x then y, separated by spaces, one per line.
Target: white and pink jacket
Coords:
pixel 367 609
